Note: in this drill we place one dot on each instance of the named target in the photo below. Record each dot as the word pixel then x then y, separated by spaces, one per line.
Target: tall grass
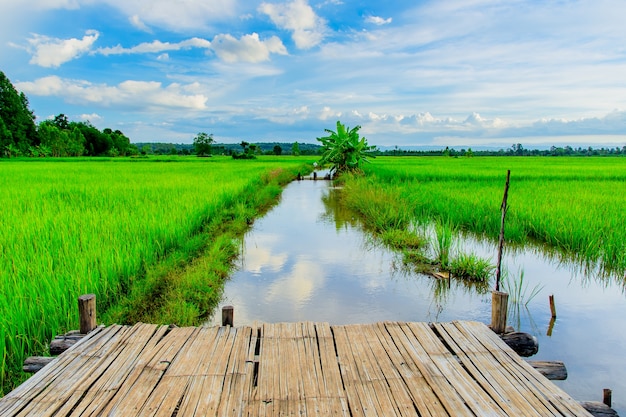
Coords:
pixel 573 204
pixel 94 226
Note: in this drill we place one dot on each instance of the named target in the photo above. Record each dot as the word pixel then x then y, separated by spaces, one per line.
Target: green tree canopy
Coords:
pixel 202 144
pixel 17 118
pixel 295 149
pixel 345 149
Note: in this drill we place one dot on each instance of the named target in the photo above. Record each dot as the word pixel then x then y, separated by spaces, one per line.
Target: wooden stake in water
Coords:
pixel 501 238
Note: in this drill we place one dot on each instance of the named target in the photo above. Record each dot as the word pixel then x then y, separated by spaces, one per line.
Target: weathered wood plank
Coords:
pixel 35 364
pixel 517 367
pixel 403 369
pixel 553 370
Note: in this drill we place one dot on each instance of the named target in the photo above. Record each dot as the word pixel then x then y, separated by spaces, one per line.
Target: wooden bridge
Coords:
pixel 291 369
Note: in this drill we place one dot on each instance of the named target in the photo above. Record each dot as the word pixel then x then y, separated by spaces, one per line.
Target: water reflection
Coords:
pixel 307 259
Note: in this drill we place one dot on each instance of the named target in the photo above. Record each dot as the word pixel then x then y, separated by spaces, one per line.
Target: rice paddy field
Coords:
pixel 77 226
pixel 108 226
pixel 574 206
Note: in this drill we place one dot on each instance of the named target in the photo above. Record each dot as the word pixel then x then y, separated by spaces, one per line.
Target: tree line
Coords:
pixel 21 136
pixel 517 149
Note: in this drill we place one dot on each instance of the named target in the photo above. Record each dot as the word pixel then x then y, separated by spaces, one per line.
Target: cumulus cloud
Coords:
pixel 298 17
pixel 328 113
pixel 53 52
pixel 249 48
pixel 377 20
pixel 128 94
pixel 93 117
pixel 155 47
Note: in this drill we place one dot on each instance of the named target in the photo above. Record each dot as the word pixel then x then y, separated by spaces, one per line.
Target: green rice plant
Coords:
pixel 471 267
pixel 518 290
pixel 110 227
pixel 444 241
pixel 571 204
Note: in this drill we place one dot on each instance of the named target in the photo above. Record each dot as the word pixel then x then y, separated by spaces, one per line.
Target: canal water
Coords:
pixel 307 259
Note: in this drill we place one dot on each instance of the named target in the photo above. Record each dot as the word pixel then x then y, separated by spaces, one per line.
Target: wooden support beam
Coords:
pixel 523 344
pixel 228 316
pixel 87 312
pixel 36 363
pixel 553 370
pixel 499 308
pixel 607 395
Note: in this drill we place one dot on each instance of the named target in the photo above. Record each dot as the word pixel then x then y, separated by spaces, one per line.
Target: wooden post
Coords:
pixel 499 307
pixel 228 316
pixel 87 312
pixel 607 396
pixel 552 306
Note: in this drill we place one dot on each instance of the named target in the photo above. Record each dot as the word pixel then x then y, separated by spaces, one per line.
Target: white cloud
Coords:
pixel 328 113
pixel 155 47
pixel 93 117
pixel 136 21
pixel 377 20
pixel 298 17
pixel 52 52
pixel 176 15
pixel 128 94
pixel 248 48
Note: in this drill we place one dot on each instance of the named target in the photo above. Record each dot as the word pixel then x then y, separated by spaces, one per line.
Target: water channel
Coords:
pixel 307 259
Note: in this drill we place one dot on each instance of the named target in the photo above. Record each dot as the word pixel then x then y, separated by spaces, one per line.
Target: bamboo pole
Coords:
pixel 504 209
pixel 499 299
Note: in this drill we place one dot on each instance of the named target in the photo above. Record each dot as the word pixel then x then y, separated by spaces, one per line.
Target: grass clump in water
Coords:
pixel 471 267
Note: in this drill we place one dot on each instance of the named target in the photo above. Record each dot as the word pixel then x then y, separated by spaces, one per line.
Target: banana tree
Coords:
pixel 345 149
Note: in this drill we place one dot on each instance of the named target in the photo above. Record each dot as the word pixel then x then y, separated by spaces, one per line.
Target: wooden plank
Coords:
pixel 541 387
pixel 424 399
pixel 490 374
pixel 315 369
pixel 329 380
pixel 103 387
pixel 205 400
pixel 70 382
pixel 32 388
pixel 176 381
pixel 238 375
pixel 140 384
pixel 440 370
pixel 471 392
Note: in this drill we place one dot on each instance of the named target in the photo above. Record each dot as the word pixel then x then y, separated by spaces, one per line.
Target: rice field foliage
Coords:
pixel 70 227
pixel 575 205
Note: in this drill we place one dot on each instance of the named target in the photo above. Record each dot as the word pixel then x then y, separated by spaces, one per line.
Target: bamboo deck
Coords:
pixel 296 369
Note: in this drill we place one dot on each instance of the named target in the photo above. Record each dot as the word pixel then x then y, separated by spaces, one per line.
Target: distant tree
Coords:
pixel 295 149
pixel 278 150
pixel 202 144
pixel 469 153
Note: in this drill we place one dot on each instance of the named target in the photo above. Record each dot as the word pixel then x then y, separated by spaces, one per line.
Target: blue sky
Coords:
pixel 431 73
